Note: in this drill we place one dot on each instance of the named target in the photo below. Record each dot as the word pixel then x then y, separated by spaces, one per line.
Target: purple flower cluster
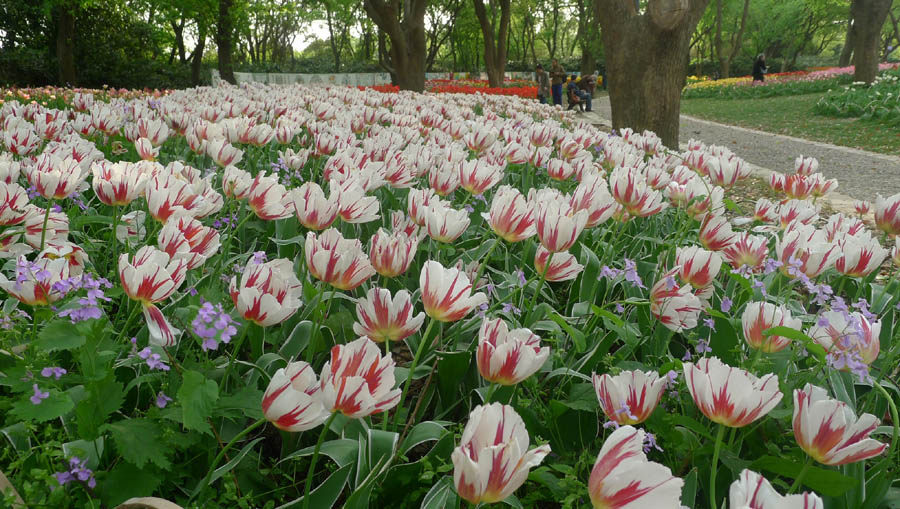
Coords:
pixel 26 270
pixel 76 197
pixel 630 272
pixel 77 472
pixel 509 308
pixel 88 306
pixel 53 371
pixel 226 222
pixel 38 395
pixel 212 324
pixel 650 443
pixel 154 360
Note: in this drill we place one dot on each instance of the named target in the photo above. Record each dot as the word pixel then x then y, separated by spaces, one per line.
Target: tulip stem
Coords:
pixel 487 258
pixel 714 468
pixel 234 353
pixel 114 241
pixel 315 458
pixel 540 284
pixel 131 318
pixel 412 370
pixel 894 418
pixel 314 335
pixel 46 219
pixel 801 475
pixel 205 482
pixel 490 393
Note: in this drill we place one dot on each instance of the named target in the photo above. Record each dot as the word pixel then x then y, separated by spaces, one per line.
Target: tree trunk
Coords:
pixel 868 16
pixel 197 56
pixel 849 44
pixel 645 61
pixel 224 33
pixel 65 46
pixel 588 62
pixel 407 52
pixel 494 49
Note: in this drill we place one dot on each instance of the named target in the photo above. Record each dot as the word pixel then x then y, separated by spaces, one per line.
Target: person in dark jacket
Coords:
pixel 573 95
pixel 759 68
pixel 543 83
pixel 557 77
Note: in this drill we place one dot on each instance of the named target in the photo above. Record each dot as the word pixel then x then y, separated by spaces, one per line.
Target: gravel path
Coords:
pixel 861 175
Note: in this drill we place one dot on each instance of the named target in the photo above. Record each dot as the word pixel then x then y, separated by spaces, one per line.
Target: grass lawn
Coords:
pixel 793 116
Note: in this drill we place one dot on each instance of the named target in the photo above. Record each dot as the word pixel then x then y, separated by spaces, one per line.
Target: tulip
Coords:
pixel 747 250
pixel 541 135
pixel 840 226
pixel 623 477
pixel 13 204
pixel 131 228
pixel 313 209
pixel 480 139
pixel 592 195
pixel 156 131
pixel 337 261
pixel 698 267
pixel 804 249
pixel 447 292
pixel 418 201
pixel 895 253
pixel 391 254
pixel 540 157
pixel 557 223
pixel 829 431
pixel 753 491
pixel 801 211
pixel 444 178
pixel 887 214
pixel 187 238
pixel 353 205
pixel 726 171
pixel 559 170
pixel 382 318
pixel 268 199
pixel 730 396
pixel 798 186
pixel 823 186
pixel 358 381
pixel 806 165
pixel 152 276
pixel 236 182
pixel 35 281
pixel 511 217
pixel 563 266
pixel 401 223
pixel 862 207
pixel 629 397
pixel 478 176
pixel 516 154
pixel 492 459
pixel 168 196
pixel 293 399
pixel 715 232
pixel 760 316
pixel 223 153
pixel 673 305
pixel 445 224
pixel 848 334
pixel 57 229
pixel 765 211
pixel 507 357
pixel 118 184
pixel 21 141
pixel 630 189
pixel 74 255
pixel 860 255
pixel 268 294
pixel 145 149
pixel 55 178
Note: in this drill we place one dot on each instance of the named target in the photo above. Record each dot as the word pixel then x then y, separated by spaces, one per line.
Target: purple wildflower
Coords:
pixel 162 400
pixel 468 208
pixel 726 304
pixel 626 411
pixel 38 396
pixel 607 272
pixel 761 286
pixel 620 308
pixel 212 324
pixel 771 265
pixel 509 308
pixel 709 322
pixel 687 355
pixel 611 424
pixel 53 371
pixel 650 443
pixel 77 472
pixel 631 274
pixel 521 275
pixel 154 360
pixel 259 257
pixel 482 309
pixel 703 347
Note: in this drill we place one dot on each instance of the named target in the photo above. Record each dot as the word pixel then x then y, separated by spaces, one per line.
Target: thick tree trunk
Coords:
pixel 407 52
pixel 65 46
pixel 849 44
pixel 197 56
pixel 224 34
pixel 494 48
pixel 868 16
pixel 645 61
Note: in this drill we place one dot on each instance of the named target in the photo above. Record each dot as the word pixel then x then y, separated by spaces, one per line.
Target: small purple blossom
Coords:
pixel 53 371
pixel 631 274
pixel 162 400
pixel 726 304
pixel 687 355
pixel 823 321
pixel 709 322
pixel 154 360
pixel 626 411
pixel 212 324
pixel 771 265
pixel 620 308
pixel 509 308
pixel 671 284
pixel 607 272
pixel 761 286
pixel 650 443
pixel 520 274
pixel 38 395
pixel 259 257
pixel 468 208
pixel 482 309
pixel 702 347
pixel 611 424
pixel 77 472
pixel 88 306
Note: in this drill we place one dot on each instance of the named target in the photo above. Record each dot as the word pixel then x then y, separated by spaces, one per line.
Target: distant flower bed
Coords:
pixel 776 84
pixel 518 88
pixel 880 101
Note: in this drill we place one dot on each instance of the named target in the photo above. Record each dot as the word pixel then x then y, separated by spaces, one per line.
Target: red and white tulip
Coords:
pixel 391 254
pixel 358 381
pixel 268 293
pixel 753 491
pixel 675 306
pixel 629 397
pixel 507 357
pixel 293 399
pixel 760 316
pixel 337 261
pixel 730 396
pixel 563 266
pixel 447 292
pixel 384 318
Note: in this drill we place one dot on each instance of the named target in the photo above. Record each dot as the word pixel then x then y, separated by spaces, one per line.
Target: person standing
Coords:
pixel 557 77
pixel 759 68
pixel 543 84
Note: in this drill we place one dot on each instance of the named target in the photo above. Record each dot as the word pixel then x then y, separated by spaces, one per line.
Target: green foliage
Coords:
pixel 879 102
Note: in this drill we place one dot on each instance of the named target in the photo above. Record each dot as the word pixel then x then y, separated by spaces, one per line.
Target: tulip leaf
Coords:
pixel 790 333
pixel 227 467
pixel 442 495
pixel 576 335
pixel 342 451
pixel 420 433
pixel 587 290
pixel 825 482
pixel 689 490
pixel 297 341
pixel 689 423
pixel 327 493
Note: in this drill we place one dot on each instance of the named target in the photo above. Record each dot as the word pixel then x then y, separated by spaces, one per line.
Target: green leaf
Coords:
pixel 197 396
pixel 582 397
pixel 689 490
pixel 139 441
pixel 824 482
pixel 125 481
pixel 59 335
pixel 808 342
pixel 441 495
pixel 576 335
pixel 103 399
pixel 224 469
pixel 342 451
pixel 420 433
pixel 327 493
pixel 55 405
pixel 246 401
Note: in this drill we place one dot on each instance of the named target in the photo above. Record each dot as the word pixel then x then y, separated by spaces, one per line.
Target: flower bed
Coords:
pixel 880 101
pixel 248 296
